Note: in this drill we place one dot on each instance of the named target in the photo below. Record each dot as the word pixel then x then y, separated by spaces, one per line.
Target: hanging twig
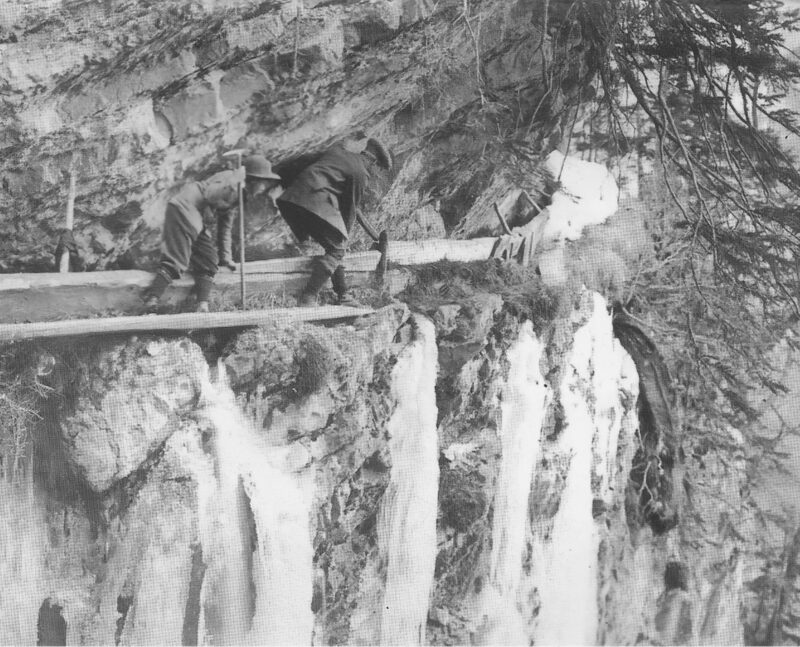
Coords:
pixel 476 44
pixel 296 41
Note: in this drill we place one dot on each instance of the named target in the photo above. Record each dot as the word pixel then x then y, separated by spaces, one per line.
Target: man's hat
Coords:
pixel 381 155
pixel 258 166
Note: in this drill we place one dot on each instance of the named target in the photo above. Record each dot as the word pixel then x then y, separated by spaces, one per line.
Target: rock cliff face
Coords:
pixel 387 482
pixel 494 468
pixel 504 484
pixel 137 97
pixel 437 505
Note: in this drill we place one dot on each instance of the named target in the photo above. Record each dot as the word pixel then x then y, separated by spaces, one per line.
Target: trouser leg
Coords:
pixel 339 281
pixel 176 250
pixel 323 267
pixel 204 261
pixel 305 224
pixel 204 266
pixel 335 250
pixel 320 273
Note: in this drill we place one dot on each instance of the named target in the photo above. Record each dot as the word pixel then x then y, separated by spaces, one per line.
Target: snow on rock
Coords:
pixel 458 453
pixel 587 195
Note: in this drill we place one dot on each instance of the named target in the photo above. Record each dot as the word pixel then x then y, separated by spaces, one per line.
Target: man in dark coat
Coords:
pixel 189 222
pixel 323 203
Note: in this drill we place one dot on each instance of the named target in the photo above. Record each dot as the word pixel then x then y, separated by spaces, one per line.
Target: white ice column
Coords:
pixel 407 522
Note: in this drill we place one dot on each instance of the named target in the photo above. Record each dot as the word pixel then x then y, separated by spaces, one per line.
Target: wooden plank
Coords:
pixel 184 321
pixel 354 262
pixel 63 302
pixel 421 252
pixel 402 253
pixel 54 296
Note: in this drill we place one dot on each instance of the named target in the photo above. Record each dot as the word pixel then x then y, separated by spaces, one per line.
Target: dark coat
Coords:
pixel 331 188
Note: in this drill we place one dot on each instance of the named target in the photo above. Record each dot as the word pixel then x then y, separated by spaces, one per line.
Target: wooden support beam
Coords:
pixel 184 321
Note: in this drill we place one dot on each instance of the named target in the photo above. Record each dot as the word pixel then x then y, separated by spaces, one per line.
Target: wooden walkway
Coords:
pixel 88 303
pixel 54 296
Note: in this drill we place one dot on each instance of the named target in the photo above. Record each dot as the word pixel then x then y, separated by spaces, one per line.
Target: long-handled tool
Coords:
pixel 503 221
pixel 63 262
pixel 238 152
pixel 383 248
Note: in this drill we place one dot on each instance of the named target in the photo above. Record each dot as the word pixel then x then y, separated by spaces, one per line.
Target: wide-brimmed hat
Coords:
pixel 259 166
pixel 379 152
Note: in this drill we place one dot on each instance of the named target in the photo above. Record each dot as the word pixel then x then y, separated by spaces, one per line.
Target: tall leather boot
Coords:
pixel 319 277
pixel 339 280
pixel 202 290
pixel 156 289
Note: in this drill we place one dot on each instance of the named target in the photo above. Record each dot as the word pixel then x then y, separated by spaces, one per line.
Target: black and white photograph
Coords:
pixel 399 322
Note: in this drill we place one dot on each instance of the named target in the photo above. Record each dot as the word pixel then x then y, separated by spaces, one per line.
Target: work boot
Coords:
pixel 150 304
pixel 343 298
pixel 350 301
pixel 155 291
pixel 339 281
pixel 202 290
pixel 319 276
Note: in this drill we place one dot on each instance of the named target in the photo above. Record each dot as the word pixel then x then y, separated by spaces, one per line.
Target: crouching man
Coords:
pixel 189 223
pixel 323 203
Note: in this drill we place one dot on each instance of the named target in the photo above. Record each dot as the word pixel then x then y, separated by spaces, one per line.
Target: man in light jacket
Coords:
pixel 189 222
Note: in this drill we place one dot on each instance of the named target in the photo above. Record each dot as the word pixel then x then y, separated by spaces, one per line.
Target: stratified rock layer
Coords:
pixel 136 98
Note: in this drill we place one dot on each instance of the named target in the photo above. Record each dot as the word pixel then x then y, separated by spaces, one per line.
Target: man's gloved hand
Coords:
pixel 230 265
pixel 239 174
pixel 380 244
pixel 66 243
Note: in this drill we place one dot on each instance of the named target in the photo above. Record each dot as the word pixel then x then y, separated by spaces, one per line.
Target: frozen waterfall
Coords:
pixel 254 518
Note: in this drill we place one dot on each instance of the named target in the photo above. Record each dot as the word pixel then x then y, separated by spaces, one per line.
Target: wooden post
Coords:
pixel 241 242
pixel 63 263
